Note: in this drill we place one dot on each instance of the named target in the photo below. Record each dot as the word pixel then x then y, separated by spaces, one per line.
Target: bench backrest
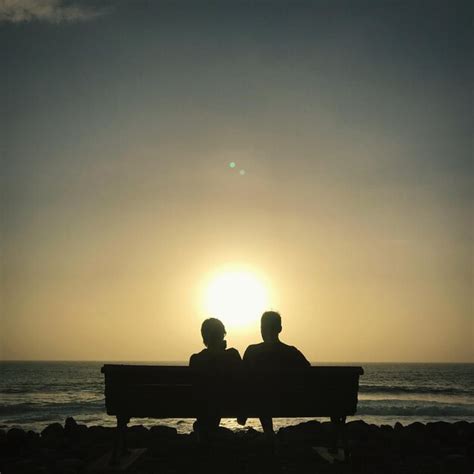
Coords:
pixel 180 392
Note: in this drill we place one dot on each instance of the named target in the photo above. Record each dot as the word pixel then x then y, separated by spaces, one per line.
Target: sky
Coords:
pixel 350 202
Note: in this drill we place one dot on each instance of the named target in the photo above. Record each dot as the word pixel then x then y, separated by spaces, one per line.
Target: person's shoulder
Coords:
pixel 195 358
pixel 252 349
pixel 291 348
pixel 296 352
pixel 233 352
pixel 288 347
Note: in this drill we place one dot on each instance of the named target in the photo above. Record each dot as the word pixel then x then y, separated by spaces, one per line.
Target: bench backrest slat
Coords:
pixel 180 392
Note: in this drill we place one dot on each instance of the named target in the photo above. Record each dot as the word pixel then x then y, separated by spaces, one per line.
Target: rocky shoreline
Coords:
pixel 72 448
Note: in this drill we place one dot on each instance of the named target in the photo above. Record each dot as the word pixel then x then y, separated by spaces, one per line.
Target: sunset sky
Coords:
pixel 349 207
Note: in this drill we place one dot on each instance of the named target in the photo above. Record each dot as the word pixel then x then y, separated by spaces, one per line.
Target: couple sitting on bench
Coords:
pixel 268 355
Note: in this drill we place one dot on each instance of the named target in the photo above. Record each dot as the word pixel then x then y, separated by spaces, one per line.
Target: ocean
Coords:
pixel 35 394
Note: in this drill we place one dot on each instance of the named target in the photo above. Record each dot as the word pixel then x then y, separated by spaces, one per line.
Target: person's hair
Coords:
pixel 212 331
pixel 271 319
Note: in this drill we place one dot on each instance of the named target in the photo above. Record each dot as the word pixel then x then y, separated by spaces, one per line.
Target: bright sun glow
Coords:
pixel 236 297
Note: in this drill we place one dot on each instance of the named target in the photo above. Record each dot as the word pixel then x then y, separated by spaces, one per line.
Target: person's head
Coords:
pixel 270 326
pixel 213 333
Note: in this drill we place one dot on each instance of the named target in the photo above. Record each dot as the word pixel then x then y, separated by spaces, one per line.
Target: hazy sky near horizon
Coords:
pixel 352 121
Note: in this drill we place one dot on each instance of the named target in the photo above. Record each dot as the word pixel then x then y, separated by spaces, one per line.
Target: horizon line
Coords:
pixel 185 361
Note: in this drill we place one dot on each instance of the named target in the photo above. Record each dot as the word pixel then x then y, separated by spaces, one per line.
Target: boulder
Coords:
pixel 311 431
pixel 416 427
pixel 100 433
pixel 22 466
pixel 358 430
pixel 81 431
pixel 70 426
pixel 16 436
pixel 441 430
pixel 48 454
pixel 455 464
pixel 463 429
pixel 398 426
pixel 423 463
pixel 137 435
pixel 55 430
pixel 32 439
pixel 160 431
pixel 68 464
pixel 414 433
pixel 224 433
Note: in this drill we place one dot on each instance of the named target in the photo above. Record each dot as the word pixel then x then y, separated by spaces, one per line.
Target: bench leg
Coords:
pixel 120 442
pixel 339 424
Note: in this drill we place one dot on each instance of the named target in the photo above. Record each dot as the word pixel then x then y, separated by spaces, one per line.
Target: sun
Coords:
pixel 237 297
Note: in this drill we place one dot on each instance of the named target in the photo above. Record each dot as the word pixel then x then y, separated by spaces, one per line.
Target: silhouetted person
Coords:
pixel 215 361
pixel 272 354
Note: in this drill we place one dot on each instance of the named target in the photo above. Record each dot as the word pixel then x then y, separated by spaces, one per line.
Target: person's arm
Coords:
pixel 247 356
pixel 234 357
pixel 241 418
pixel 306 361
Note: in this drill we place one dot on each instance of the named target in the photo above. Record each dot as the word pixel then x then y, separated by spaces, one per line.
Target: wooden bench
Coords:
pixel 145 391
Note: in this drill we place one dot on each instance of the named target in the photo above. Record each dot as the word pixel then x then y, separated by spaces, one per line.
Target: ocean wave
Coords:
pixel 412 390
pixel 17 408
pixel 96 389
pixel 53 408
pixel 14 390
pixel 413 409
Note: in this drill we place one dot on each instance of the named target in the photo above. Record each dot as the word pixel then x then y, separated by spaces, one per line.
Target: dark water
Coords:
pixel 34 394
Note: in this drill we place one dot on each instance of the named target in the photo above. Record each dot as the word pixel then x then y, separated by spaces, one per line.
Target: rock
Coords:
pixel 70 425
pixel 68 464
pixel 455 464
pixel 416 427
pixel 16 436
pixel 463 430
pixel 138 429
pixel 224 433
pixel 423 463
pixel 23 466
pixel 100 433
pixel 161 431
pixel 251 433
pixel 398 426
pixel 442 430
pixel 414 434
pixel 358 430
pixel 3 443
pixel 311 431
pixel 32 439
pixel 386 433
pixel 48 454
pixel 16 442
pixel 81 431
pixel 137 436
pixel 54 430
